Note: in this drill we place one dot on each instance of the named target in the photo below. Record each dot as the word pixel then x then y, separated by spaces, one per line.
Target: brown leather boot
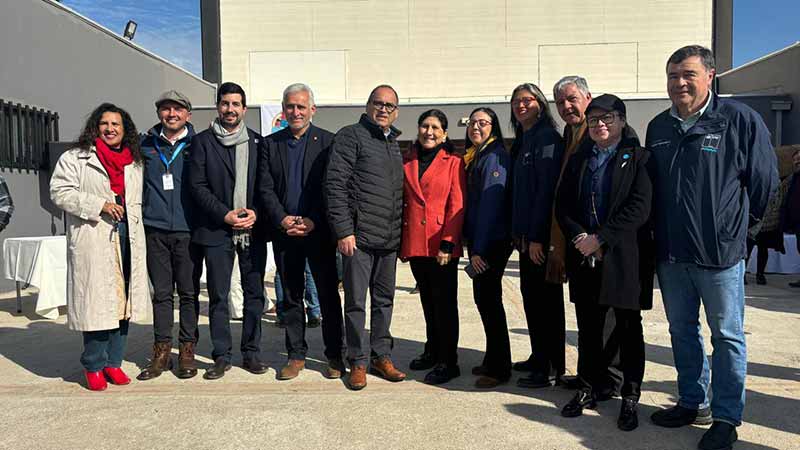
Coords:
pixel 358 377
pixel 162 361
pixel 384 368
pixel 186 363
pixel 291 369
pixel 335 369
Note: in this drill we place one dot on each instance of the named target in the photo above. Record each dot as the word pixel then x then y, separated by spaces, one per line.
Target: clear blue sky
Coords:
pixel 171 28
pixel 168 28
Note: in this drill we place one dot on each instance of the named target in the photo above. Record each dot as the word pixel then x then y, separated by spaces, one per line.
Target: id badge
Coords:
pixel 166 179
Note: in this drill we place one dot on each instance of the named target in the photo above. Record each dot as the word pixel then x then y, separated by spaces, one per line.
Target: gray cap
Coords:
pixel 174 96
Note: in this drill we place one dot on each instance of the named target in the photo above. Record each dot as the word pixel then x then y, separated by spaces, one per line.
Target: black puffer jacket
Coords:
pixel 364 185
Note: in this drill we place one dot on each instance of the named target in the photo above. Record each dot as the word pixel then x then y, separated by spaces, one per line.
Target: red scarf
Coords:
pixel 114 163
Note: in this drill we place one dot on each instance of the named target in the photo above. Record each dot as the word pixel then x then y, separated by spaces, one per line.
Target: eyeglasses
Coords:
pixel 607 119
pixel 481 123
pixel 527 101
pixel 381 106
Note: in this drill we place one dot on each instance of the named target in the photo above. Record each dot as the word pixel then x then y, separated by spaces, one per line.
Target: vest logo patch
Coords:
pixel 711 143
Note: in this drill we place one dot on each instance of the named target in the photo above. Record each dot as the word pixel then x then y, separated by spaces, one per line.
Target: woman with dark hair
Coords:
pixel 538 152
pixel 433 214
pixel 486 231
pixel 99 185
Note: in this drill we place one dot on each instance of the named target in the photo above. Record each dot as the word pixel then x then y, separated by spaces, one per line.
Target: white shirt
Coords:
pixel 180 135
pixel 691 120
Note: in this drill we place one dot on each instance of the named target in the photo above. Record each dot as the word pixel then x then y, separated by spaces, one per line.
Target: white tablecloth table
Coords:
pixel 778 262
pixel 40 262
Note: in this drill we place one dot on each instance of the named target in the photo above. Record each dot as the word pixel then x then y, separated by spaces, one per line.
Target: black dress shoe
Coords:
pixel 761 279
pixel 424 361
pixel 534 380
pixel 720 436
pixel 254 365
pixel 678 416
pixel 217 370
pixel 583 399
pixel 314 322
pixel 795 284
pixel 524 366
pixel 628 417
pixel 442 374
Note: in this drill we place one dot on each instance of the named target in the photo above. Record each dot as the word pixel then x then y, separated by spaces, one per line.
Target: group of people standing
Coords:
pixel 593 207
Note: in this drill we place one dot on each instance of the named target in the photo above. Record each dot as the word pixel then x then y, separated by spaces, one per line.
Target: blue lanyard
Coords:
pixel 174 153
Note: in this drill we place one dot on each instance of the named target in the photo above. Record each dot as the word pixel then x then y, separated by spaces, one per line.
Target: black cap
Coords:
pixel 607 102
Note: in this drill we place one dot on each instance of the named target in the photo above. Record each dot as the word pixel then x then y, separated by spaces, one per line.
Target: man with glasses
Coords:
pixel 602 204
pixel 713 169
pixel 364 191
pixel 572 97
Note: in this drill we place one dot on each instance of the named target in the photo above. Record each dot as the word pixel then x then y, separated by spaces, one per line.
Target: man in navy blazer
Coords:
pixel 292 166
pixel 222 179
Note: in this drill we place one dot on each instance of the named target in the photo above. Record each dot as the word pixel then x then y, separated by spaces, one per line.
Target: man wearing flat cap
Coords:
pixel 172 262
pixel 602 206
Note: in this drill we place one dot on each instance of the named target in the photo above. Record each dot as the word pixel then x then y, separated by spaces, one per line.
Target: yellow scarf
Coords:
pixel 473 151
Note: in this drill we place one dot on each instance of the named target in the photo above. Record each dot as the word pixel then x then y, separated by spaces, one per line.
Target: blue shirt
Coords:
pixel 296 152
pixel 596 186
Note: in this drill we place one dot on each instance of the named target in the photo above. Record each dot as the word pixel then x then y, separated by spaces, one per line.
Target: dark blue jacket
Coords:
pixel 536 169
pixel 709 182
pixel 487 203
pixel 165 210
pixel 273 168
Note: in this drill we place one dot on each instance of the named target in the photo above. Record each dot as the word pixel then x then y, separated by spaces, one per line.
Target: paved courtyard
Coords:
pixel 45 405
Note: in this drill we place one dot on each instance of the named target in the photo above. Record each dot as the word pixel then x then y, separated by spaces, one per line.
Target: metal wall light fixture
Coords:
pixel 130 30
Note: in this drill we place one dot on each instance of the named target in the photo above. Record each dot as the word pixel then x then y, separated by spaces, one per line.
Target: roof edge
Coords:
pixel 127 42
pixel 762 58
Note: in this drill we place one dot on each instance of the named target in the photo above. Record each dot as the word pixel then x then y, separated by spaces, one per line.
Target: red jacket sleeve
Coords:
pixel 454 209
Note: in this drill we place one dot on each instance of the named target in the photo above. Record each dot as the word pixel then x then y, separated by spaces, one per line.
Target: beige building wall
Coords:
pixel 453 50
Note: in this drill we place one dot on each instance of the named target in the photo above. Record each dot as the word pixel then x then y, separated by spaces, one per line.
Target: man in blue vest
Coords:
pixel 713 170
pixel 171 259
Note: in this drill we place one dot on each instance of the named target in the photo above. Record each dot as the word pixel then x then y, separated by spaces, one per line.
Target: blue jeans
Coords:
pixel 104 348
pixel 683 287
pixel 312 300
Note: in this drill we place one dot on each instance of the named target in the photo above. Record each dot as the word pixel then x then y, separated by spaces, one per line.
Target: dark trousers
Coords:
pixel 544 312
pixel 487 288
pixel 104 348
pixel 171 260
pixel 219 262
pixel 374 270
pixel 585 288
pixel 291 254
pixel 762 256
pixel 438 292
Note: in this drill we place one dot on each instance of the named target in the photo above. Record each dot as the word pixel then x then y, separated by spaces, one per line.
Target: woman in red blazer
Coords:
pixel 433 213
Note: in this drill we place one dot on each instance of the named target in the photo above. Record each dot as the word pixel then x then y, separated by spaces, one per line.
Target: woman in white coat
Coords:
pixel 99 186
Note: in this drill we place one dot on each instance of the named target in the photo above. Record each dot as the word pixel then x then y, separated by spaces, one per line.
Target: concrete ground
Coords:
pixel 45 405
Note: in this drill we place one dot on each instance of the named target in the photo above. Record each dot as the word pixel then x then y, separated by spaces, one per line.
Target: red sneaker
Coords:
pixel 95 381
pixel 116 376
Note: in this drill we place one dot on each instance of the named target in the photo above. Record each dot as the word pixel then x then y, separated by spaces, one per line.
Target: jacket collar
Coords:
pixel 376 130
pixel 155 133
pixel 710 116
